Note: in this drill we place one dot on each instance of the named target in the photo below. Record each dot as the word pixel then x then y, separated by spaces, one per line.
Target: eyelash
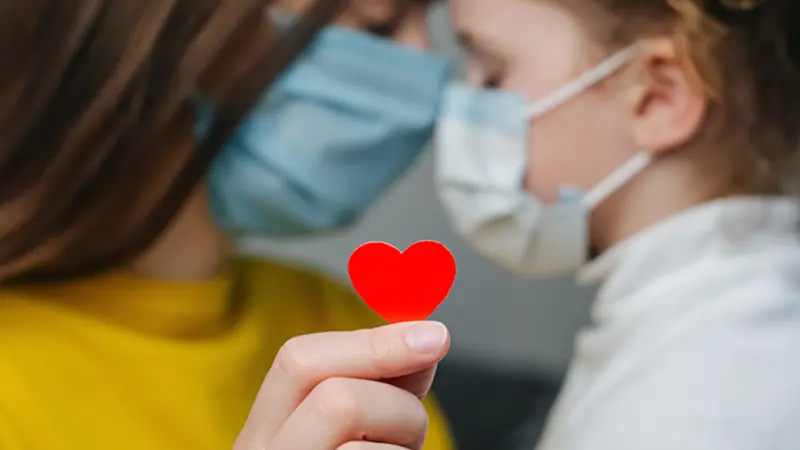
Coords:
pixel 492 69
pixel 489 75
pixel 493 81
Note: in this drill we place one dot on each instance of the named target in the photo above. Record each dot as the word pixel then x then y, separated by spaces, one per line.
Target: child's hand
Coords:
pixel 347 390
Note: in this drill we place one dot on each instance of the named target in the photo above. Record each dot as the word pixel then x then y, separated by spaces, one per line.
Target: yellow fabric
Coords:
pixel 121 362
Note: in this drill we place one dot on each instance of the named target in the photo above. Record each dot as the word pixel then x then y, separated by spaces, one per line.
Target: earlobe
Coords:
pixel 668 107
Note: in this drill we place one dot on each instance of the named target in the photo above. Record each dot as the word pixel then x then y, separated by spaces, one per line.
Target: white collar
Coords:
pixel 681 239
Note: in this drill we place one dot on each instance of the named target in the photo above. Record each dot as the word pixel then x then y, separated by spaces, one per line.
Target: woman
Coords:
pixel 123 322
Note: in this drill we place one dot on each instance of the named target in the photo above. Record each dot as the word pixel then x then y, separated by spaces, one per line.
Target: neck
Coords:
pixel 666 187
pixel 191 249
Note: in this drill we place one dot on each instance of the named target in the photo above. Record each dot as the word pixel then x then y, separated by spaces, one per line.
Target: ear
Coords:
pixel 668 105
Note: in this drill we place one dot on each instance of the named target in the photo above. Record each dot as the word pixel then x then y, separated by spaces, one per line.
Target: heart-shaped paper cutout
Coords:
pixel 402 286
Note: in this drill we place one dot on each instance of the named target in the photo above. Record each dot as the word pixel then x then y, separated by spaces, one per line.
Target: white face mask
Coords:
pixel 481 148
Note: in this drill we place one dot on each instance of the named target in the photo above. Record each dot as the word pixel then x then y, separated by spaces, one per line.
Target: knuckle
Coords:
pixel 336 400
pixel 417 416
pixel 423 419
pixel 382 351
pixel 418 425
pixel 294 358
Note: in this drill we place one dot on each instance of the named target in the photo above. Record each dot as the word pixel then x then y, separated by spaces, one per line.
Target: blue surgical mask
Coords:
pixel 334 132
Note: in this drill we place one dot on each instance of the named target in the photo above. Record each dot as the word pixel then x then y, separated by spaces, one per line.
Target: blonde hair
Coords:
pixel 745 55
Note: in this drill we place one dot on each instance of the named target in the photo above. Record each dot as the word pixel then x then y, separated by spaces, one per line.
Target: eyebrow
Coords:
pixel 468 41
pixel 472 44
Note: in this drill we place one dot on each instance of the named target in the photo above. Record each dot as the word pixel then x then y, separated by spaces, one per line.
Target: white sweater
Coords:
pixel 696 337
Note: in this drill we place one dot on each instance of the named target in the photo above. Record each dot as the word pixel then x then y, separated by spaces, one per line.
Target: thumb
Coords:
pixel 418 383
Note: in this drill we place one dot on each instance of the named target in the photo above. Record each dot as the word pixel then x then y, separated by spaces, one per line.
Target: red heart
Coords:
pixel 405 286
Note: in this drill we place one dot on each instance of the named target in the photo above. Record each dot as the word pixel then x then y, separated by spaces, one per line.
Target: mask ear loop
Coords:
pixel 574 88
pixel 577 86
pixel 617 179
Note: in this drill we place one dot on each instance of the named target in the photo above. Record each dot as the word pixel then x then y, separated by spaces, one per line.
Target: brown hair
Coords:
pixel 746 55
pixel 97 148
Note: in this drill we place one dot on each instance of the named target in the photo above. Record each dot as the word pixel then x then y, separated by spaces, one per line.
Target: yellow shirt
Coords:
pixel 121 362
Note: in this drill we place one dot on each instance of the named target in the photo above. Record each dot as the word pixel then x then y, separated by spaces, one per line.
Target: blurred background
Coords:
pixel 512 338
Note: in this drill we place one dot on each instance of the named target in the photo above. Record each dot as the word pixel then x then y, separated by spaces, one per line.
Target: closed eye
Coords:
pixel 488 63
pixel 493 81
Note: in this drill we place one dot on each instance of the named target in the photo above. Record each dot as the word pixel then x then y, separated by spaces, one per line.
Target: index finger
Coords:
pixel 390 351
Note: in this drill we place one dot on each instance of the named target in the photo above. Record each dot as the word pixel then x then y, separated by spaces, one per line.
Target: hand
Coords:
pixel 348 390
pixel 364 14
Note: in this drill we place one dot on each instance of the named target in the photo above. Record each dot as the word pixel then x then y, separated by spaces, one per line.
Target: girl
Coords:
pixel 123 322
pixel 659 137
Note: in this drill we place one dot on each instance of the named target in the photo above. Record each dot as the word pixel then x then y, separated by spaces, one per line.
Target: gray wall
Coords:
pixel 496 320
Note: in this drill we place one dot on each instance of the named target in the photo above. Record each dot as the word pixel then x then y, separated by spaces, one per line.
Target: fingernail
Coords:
pixel 426 336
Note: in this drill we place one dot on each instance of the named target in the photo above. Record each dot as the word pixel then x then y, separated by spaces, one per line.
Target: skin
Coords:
pixel 348 390
pixel 357 390
pixel 176 256
pixel 343 382
pixel 363 13
pixel 532 47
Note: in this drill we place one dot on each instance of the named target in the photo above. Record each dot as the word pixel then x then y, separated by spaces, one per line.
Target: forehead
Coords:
pixel 469 15
pixel 506 22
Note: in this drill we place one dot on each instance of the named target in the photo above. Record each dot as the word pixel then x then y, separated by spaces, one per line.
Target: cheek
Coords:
pixel 578 144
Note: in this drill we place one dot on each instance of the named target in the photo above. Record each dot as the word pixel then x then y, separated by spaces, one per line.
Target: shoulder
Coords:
pixel 29 355
pixel 704 359
pixel 307 290
pixel 698 395
pixel 725 377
